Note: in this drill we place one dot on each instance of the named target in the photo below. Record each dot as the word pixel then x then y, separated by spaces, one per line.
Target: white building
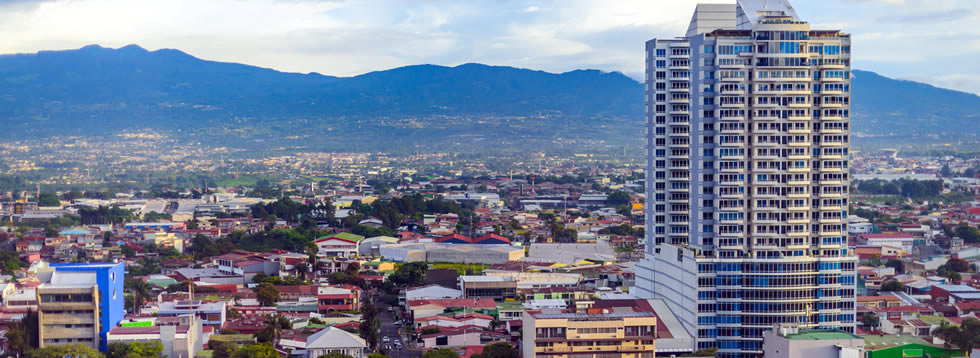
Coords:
pixel 334 339
pixel 747 157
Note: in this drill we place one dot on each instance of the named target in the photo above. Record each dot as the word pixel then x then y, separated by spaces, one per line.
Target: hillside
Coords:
pixel 97 91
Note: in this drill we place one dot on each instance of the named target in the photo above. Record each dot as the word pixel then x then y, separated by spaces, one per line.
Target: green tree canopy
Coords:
pixel 334 354
pixel 498 350
pixel 441 353
pixel 267 294
pixel 134 349
pixel 892 286
pixel 48 199
pixel 68 350
pixel 258 350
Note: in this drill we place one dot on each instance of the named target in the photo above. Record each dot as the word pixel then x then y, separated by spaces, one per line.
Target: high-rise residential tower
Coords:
pixel 747 129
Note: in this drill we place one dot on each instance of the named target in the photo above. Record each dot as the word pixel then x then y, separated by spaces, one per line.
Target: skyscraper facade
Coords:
pixel 747 180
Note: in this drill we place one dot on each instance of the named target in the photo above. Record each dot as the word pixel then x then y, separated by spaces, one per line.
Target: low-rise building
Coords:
pixel 790 342
pixel 183 340
pixel 624 334
pixel 211 313
pixel 493 287
pixel 333 339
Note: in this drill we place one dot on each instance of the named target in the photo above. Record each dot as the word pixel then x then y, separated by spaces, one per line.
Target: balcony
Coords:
pixel 799 144
pixel 801 118
pixel 831 208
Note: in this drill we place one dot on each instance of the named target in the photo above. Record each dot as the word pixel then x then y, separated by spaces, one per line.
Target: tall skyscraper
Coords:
pixel 747 129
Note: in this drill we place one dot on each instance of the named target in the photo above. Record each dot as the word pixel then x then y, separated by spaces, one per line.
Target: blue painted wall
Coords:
pixel 110 278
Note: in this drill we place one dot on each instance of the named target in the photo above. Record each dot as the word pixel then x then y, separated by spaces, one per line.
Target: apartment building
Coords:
pixel 79 303
pixel 747 180
pixel 589 335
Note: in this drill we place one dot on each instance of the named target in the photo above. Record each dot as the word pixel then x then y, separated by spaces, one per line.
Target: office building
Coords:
pixel 747 157
pixel 588 335
pixel 79 303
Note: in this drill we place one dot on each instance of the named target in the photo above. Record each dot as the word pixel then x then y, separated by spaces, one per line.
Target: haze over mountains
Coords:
pixel 98 91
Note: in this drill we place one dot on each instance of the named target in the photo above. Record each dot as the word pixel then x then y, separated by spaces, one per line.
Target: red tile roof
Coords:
pixel 486 303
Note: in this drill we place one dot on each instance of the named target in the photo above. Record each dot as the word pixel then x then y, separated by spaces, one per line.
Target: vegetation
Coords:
pixel 48 199
pixel 68 350
pixel 267 294
pixel 140 291
pixel 259 350
pixel 498 350
pixel 370 324
pixel 892 286
pixel 23 336
pixel 441 353
pixel 334 354
pixel 966 336
pixel 10 262
pixel 969 234
pixel 273 328
pixel 134 350
pixel 105 215
pixel 408 274
pixel 870 320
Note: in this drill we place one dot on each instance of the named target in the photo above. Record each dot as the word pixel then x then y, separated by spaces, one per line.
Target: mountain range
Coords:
pixel 99 91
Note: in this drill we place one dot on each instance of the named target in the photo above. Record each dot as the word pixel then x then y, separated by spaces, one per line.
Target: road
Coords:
pixel 388 329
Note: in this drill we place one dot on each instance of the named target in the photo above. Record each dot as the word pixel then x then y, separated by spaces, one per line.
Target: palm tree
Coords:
pixel 301 269
pixel 141 292
pixel 274 326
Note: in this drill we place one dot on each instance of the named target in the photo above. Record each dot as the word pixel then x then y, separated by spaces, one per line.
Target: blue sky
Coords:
pixel 933 41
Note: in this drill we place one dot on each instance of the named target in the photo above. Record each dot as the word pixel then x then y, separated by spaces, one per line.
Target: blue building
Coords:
pixel 109 277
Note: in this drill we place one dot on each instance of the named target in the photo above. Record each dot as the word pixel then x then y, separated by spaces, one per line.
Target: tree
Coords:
pixel 301 269
pixel 370 324
pixel 870 320
pixel 334 354
pixel 140 289
pixel 258 350
pixel 617 198
pixel 896 264
pixel 22 336
pixel 498 350
pixel 441 353
pixel 950 274
pixel 409 274
pixel 273 328
pixel 893 286
pixel 966 336
pixel 68 350
pixel 957 265
pixel 267 294
pixel 967 233
pixel 48 199
pixel 221 349
pixel 134 349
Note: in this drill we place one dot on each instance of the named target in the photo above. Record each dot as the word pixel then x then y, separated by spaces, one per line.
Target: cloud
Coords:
pixel 898 38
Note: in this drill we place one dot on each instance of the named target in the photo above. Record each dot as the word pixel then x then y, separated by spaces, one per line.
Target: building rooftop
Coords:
pixel 817 335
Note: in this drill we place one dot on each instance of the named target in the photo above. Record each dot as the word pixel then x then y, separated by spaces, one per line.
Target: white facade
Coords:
pixel 747 155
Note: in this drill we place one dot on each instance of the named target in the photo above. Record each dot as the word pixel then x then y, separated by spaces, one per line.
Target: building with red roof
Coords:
pixel 491 239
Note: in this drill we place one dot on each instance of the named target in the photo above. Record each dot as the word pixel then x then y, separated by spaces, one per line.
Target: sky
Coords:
pixel 933 41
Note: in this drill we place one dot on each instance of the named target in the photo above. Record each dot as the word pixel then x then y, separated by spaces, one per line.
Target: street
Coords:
pixel 388 329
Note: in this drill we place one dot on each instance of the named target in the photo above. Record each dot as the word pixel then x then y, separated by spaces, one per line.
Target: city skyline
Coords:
pixel 341 38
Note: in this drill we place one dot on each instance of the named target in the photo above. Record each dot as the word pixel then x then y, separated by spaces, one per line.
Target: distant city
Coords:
pixel 743 220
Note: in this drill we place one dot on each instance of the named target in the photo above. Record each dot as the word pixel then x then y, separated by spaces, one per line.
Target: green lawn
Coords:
pixel 242 180
pixel 477 269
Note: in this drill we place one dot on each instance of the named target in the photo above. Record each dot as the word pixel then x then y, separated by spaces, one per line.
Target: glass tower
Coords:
pixel 747 180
